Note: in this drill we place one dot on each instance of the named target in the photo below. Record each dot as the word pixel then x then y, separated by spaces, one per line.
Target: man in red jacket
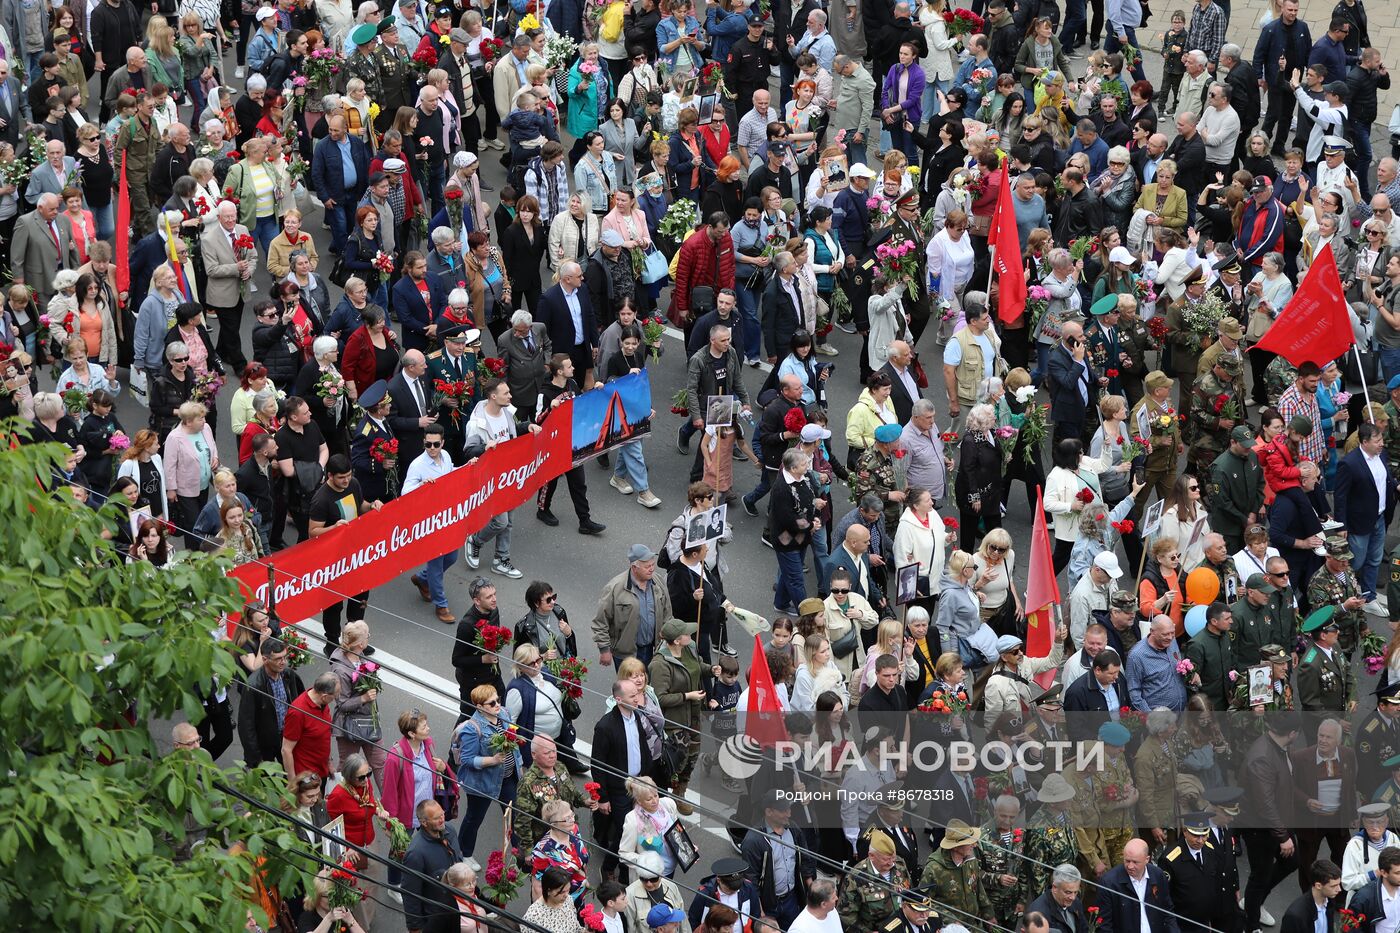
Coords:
pixel 706 259
pixel 1261 227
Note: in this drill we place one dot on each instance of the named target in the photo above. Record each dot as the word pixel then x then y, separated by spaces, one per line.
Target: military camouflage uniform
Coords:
pixel 1377 740
pixel 1100 831
pixel 139 143
pixel 1278 376
pixel 998 855
pixel 1392 433
pixel 958 886
pixel 1050 841
pixel 1210 398
pixel 1155 771
pixel 365 67
pixel 864 901
pixel 1324 685
pixel 535 790
pixel 1325 589
pixel 874 474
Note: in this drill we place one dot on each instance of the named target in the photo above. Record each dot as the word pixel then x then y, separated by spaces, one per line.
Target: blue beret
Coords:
pixel 888 433
pixel 1114 733
pixel 1393 384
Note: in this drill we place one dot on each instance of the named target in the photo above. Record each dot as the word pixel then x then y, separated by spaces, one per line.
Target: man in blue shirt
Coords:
pixel 1331 49
pixel 1152 677
pixel 1087 141
pixel 339 176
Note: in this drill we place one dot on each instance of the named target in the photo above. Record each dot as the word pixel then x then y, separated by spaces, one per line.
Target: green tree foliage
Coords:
pixel 100 832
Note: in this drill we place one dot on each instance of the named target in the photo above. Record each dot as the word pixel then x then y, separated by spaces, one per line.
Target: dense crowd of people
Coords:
pixel 1216 514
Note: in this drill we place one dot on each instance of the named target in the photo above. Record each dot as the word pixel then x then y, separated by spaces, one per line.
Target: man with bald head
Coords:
pixel 1136 895
pixel 412 408
pixel 41 245
pixel 774 438
pixel 1073 384
pixel 1146 159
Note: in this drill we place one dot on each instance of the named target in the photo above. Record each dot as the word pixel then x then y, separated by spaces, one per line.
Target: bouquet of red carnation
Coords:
pixel 1115 792
pixel 951 523
pixel 1083 246
pixel 383 262
pixel 653 328
pixel 1095 917
pixel 795 420
pixel 1085 495
pixel 490 367
pixel 506 741
pixel 459 389
pixel 592 918
pixel 962 22
pixel 594 790
pixel 425 59
pixel 492 48
pixel 501 878
pixel 344 891
pixel 298 651
pixel 1157 328
pixel 949 437
pixel 1111 373
pixel 680 402
pixel 569 672
pixel 244 241
pixel 385 452
pixel 1125 527
pixel 980 785
pixel 1351 920
pixel 490 638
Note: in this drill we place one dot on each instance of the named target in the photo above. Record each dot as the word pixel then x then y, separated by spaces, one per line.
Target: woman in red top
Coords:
pixel 271 122
pixel 370 354
pixel 715 135
pixel 354 799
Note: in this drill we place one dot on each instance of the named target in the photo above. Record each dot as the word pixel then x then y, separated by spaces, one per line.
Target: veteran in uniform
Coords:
pixel 868 892
pixel 1197 879
pixel 1155 772
pixel 1216 407
pixel 1000 850
pixel 1164 433
pixel 1378 740
pixel 915 915
pixel 889 819
pixel 1389 792
pixel 874 475
pixel 1105 802
pixel 538 787
pixel 1255 620
pixel 455 362
pixel 375 481
pixel 953 876
pixel 1324 677
pixel 1050 837
pixel 1335 586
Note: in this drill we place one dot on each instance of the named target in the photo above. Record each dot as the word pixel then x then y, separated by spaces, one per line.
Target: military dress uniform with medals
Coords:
pixel 874 474
pixel 374 479
pixel 1196 878
pixel 1050 838
pixel 1389 792
pixel 442 365
pixel 1324 683
pixel 919 902
pixel 866 898
pixel 1165 433
pixel 1377 741
pixel 1333 589
pixel 901 833
pixel 1103 342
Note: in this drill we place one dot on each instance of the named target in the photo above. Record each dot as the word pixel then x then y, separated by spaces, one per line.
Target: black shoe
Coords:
pixel 546 516
pixel 1093 45
pixel 590 527
pixel 682 443
pixel 605 462
pixel 748 507
pixel 739 454
pixel 328 649
pixel 767 541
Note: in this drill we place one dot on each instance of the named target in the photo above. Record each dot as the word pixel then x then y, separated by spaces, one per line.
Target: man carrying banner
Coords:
pixel 491 423
pixel 431 464
pixel 337 503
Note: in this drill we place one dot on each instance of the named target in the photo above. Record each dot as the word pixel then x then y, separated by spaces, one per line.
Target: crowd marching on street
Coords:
pixel 270 267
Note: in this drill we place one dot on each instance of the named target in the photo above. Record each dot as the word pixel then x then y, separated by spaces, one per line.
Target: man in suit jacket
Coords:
pixel 1072 383
pixel 619 737
pixel 1324 796
pixel 1098 690
pixel 14 106
pixel 339 186
pixel 413 312
pixel 41 245
pixel 227 269
pixel 957 796
pixel 782 315
pixel 259 728
pixel 904 390
pixel 1364 498
pixel 774 839
pixel 1061 904
pixel 52 174
pixel 853 556
pixel 411 394
pixel 1320 900
pixel 577 337
pixel 526 350
pixel 1134 889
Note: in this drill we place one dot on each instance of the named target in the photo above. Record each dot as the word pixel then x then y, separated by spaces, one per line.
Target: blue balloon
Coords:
pixel 1195 620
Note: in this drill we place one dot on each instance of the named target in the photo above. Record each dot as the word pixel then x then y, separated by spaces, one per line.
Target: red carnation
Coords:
pixel 950 523
pixel 1085 495
pixel 795 420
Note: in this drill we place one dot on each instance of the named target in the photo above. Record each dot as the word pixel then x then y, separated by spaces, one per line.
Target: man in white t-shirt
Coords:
pixel 820 915
pixel 492 421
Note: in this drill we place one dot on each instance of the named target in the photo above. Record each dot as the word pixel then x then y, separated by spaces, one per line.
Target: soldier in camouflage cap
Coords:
pixel 1335 584
pixel 867 895
pixel 874 474
pixel 1216 407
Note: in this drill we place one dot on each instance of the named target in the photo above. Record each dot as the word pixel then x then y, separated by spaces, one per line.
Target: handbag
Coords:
pixel 362 728
pixel 846 644
pixel 340 274
pixel 916 369
pixel 654 267
pixel 308 476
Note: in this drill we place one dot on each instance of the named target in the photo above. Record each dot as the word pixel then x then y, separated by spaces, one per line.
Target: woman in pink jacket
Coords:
pixel 190 461
pixel 412 773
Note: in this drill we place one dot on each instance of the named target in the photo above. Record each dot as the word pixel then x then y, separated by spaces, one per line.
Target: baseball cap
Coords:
pixel 640 553
pixel 263 13
pixel 1107 561
pixel 611 238
pixel 1261 183
pixel 861 170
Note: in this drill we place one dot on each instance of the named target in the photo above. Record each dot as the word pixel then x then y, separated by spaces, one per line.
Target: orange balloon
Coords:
pixel 1202 586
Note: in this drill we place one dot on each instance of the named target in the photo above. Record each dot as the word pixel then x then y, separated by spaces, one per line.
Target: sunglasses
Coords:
pixel 548 599
pixel 997 548
pixel 180 359
pixel 1193 488
pixel 836 592
pixel 492 702
pixel 357 778
pixel 432 445
pixel 307 783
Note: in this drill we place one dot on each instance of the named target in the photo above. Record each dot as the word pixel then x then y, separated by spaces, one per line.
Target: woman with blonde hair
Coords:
pixel 890 639
pixel 995 563
pixel 560 846
pixel 817 674
pixel 290 238
pixel 164 59
pixel 645 825
pixel 959 623
pixel 355 108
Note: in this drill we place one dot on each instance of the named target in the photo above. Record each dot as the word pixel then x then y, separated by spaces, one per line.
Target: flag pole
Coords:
pixel 1361 371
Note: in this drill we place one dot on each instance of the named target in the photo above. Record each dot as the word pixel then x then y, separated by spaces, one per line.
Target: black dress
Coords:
pixel 978 482
pixel 522 256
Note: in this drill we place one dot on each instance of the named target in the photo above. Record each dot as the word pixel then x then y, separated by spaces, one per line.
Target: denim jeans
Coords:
pixel 1075 25
pixel 433 572
pixel 790 588
pixel 765 482
pixel 1366 556
pixel 475 808
pixel 195 90
pixel 903 140
pixel 632 465
pixel 104 218
pixel 1390 362
pixel 821 560
pixel 437 180
pixel 265 231
pixel 855 152
pixel 1361 155
pixel 929 102
pixel 498 529
pixel 341 219
pixel 1111 45
pixel 751 336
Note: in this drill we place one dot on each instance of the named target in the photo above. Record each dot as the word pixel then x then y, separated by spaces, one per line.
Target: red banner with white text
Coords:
pixel 430 521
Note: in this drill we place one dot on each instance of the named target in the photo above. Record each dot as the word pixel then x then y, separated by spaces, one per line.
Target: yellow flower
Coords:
pixel 373 110
pixel 528 22
pixel 445 40
pixel 913 170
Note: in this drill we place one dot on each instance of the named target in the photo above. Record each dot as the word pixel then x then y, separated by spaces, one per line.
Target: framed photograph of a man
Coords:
pixel 331 846
pixel 707 108
pixel 835 174
pixel 906 584
pixel 696 528
pixel 719 411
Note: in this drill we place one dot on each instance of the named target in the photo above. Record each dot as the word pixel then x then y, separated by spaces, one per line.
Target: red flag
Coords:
pixel 1010 273
pixel 764 722
pixel 1315 325
pixel 123 232
pixel 1042 590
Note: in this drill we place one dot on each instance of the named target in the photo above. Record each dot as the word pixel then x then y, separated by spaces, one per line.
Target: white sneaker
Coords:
pixel 827 349
pixel 238 72
pixel 621 485
pixel 1374 608
pixel 648 498
pixel 1265 917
